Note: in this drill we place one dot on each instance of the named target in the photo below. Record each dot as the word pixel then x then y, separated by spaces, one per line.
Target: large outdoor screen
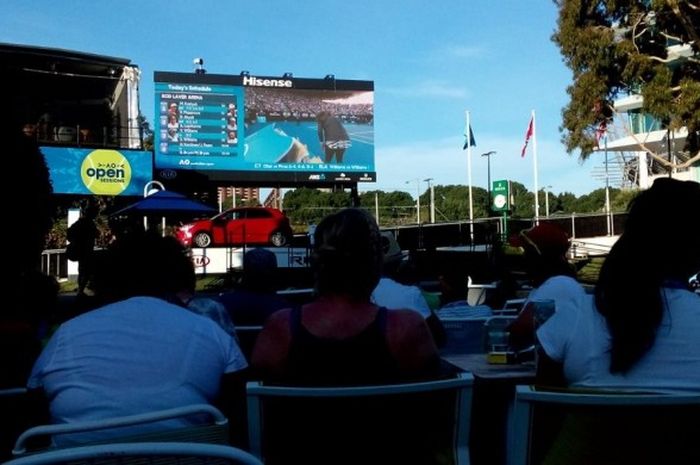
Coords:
pixel 264 129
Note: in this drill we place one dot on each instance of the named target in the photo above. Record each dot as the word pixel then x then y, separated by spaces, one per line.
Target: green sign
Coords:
pixel 500 196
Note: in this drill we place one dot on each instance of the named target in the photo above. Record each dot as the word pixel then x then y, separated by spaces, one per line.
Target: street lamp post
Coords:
pixel 151 187
pixel 417 198
pixel 432 198
pixel 546 200
pixel 488 179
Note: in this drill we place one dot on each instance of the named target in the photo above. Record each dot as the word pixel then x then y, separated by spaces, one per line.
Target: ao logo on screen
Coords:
pixel 105 172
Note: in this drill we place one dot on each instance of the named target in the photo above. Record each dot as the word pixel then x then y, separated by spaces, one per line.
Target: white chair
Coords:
pixel 478 293
pixel 141 454
pixel 247 335
pixel 453 414
pixel 214 430
pixel 17 410
pixel 617 419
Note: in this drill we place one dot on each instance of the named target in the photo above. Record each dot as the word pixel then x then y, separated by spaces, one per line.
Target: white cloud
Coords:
pixel 461 51
pixel 429 88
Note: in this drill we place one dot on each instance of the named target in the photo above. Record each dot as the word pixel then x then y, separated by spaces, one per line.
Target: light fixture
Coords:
pixel 330 77
pixel 245 73
pixel 199 63
pixel 287 76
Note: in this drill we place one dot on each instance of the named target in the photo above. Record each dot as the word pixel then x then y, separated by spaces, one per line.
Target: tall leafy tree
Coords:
pixel 619 47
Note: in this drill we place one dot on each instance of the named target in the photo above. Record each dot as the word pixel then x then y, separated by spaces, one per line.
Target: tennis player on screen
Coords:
pixel 333 136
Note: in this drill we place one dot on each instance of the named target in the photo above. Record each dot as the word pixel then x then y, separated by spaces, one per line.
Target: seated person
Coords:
pixel 342 338
pixel 392 294
pixel 142 352
pixel 639 332
pixel 552 276
pixel 30 302
pixel 255 298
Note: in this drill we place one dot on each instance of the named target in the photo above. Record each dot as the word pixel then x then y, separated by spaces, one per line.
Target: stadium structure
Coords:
pixel 639 134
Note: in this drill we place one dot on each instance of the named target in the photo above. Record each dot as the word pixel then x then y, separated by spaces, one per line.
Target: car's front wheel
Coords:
pixel 278 239
pixel 202 239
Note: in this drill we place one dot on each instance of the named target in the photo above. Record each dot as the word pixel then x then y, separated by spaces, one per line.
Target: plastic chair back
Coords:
pixel 214 430
pixel 579 426
pixel 143 453
pixel 412 423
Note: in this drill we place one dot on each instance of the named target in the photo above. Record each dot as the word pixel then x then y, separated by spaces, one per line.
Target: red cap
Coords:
pixel 545 239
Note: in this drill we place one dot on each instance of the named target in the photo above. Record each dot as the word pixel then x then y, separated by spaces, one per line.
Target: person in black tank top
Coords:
pixel 342 338
pixel 360 359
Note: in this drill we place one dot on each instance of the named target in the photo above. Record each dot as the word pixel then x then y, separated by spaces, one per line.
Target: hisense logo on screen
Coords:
pixel 259 82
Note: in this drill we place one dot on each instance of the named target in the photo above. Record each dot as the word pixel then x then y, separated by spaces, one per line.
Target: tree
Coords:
pixel 522 201
pixel 619 47
pixel 395 207
pixel 305 205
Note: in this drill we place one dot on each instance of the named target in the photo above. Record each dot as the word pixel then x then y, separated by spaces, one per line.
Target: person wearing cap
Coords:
pixel 552 276
pixel 392 294
pixel 389 292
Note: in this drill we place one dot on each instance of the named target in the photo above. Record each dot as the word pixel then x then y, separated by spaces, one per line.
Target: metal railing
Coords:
pixel 129 136
pixel 54 262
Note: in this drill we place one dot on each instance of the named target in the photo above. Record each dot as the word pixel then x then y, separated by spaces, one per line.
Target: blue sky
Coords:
pixel 430 61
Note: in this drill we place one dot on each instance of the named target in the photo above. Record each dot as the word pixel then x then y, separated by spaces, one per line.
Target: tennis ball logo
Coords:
pixel 105 172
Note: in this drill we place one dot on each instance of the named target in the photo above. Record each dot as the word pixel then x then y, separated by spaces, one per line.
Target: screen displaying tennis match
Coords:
pixel 260 129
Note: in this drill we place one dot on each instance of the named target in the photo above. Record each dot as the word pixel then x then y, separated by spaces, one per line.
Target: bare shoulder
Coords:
pixel 272 344
pixel 404 318
pixel 410 340
pixel 405 325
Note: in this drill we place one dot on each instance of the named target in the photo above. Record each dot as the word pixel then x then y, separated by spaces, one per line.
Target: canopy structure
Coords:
pixel 166 203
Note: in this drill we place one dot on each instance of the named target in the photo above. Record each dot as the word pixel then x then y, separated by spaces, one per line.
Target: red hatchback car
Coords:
pixel 237 226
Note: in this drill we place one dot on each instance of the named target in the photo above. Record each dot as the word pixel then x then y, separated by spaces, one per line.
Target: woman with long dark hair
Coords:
pixel 641 329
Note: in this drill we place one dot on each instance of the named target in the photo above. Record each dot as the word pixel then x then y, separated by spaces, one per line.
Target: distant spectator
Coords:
pixel 392 294
pixel 81 247
pixel 553 277
pixel 389 292
pixel 186 295
pixel 255 298
pixel 141 353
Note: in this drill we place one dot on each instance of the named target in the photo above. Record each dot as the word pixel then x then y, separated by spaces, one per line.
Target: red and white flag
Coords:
pixel 601 131
pixel 528 134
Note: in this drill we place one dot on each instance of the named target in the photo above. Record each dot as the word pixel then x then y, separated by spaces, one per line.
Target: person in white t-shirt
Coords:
pixel 140 353
pixel 641 329
pixel 392 294
pixel 545 247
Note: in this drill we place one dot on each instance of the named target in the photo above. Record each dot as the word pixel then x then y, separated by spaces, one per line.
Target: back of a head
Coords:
pixel 659 243
pixel 347 258
pixel 392 256
pixel 144 264
pixel 259 268
pixel 666 215
pixel 33 208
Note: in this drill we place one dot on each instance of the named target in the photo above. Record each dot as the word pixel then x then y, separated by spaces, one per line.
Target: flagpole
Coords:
pixel 467 131
pixel 534 163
